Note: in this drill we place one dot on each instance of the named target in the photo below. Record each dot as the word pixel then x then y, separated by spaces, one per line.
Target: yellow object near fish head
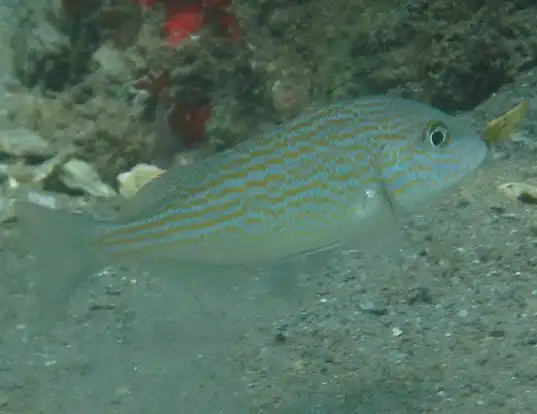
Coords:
pixel 506 126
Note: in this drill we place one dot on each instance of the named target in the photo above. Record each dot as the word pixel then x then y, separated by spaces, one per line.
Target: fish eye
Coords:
pixel 436 134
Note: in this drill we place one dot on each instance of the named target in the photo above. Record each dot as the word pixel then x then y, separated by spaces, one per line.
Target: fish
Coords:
pixel 338 175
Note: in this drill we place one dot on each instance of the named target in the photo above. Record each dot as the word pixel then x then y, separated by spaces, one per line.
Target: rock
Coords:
pixel 21 142
pixel 34 174
pixel 373 306
pixel 34 43
pixel 79 175
pixel 525 193
pixel 45 200
pixel 131 181
pixel 8 199
pixel 289 97
pixel 110 61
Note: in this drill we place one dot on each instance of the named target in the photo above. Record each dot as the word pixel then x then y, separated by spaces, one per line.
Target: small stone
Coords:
pixel 44 200
pixel 397 332
pixel 21 142
pixel 79 175
pixel 110 60
pixel 289 97
pixel 497 333
pixel 498 208
pixel 373 307
pixel 33 174
pixel 463 313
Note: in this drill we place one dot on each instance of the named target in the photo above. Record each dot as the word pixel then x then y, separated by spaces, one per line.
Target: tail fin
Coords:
pixel 61 243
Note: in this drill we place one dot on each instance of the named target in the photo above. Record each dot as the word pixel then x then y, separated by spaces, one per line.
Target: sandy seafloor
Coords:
pixel 446 324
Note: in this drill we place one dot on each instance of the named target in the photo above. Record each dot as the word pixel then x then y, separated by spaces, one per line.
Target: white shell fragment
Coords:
pixel 131 181
pixel 21 142
pixel 79 175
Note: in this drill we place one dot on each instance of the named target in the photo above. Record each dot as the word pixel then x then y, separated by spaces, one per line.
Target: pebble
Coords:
pixel 79 175
pixel 397 332
pixel 43 200
pixel 373 307
pixel 33 174
pixel 110 60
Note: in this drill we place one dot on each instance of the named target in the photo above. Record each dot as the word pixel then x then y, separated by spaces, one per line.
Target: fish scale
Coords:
pixel 337 175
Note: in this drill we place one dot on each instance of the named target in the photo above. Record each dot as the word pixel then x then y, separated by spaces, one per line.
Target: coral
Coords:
pixel 103 131
pixel 461 52
pixel 451 53
pixel 96 21
pixel 185 18
pixel 90 108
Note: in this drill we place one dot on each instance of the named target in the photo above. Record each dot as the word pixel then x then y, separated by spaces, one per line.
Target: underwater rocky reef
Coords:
pixel 142 79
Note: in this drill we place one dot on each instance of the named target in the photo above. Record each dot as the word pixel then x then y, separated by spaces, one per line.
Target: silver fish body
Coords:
pixel 304 185
pixel 327 177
